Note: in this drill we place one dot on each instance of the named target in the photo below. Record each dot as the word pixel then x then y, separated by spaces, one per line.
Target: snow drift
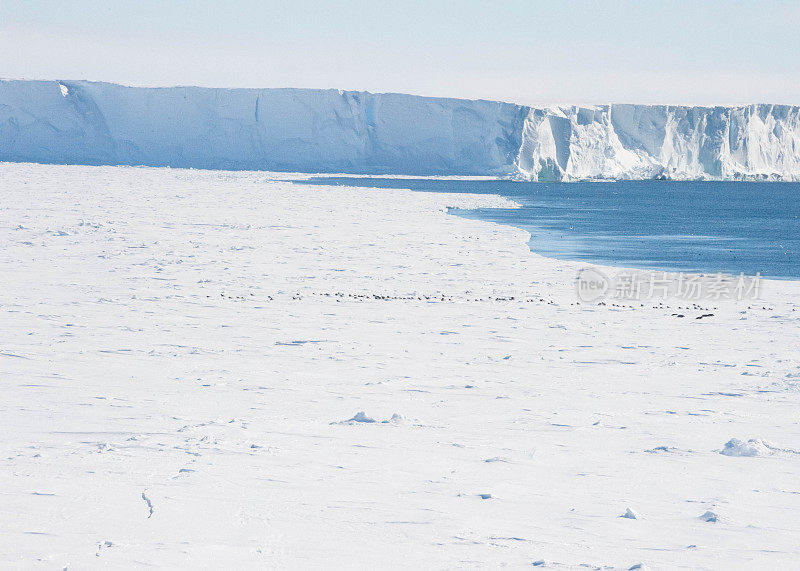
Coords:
pixel 345 131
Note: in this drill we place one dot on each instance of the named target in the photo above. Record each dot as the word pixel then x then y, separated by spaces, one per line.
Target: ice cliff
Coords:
pixel 648 141
pixel 344 131
pixel 278 129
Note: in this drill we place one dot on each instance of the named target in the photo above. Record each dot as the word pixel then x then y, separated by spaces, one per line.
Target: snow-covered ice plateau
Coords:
pixel 226 370
pixel 313 130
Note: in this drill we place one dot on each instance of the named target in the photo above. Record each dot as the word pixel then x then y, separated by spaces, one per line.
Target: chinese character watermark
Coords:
pixel 630 285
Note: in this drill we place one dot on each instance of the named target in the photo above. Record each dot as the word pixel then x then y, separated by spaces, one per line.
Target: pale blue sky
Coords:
pixel 664 51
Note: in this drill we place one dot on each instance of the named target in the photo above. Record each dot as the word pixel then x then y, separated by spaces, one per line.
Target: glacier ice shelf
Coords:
pixel 313 130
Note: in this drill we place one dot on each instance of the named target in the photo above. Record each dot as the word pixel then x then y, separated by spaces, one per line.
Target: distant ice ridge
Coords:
pixel 310 130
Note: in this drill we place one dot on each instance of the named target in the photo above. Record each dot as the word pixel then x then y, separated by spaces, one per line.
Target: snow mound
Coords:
pixel 753 447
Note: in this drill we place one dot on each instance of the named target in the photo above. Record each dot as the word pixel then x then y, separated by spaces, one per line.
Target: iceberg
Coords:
pixel 314 130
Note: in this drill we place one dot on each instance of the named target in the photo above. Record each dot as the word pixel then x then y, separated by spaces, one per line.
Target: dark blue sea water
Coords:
pixel 709 227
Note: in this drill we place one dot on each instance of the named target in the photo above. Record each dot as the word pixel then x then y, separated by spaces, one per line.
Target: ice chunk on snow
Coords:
pixel 753 447
pixel 630 514
pixel 361 417
pixel 709 517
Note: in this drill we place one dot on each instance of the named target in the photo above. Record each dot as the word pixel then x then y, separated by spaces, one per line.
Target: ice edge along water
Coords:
pixel 312 130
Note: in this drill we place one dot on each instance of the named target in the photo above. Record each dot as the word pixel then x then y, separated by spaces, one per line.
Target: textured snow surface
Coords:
pixel 311 130
pixel 188 357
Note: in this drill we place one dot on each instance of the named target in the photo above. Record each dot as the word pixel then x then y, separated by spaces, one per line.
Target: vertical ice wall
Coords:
pixel 280 129
pixel 652 141
pixel 346 131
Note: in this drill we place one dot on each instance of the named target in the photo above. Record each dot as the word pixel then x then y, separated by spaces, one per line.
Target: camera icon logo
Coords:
pixel 591 285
